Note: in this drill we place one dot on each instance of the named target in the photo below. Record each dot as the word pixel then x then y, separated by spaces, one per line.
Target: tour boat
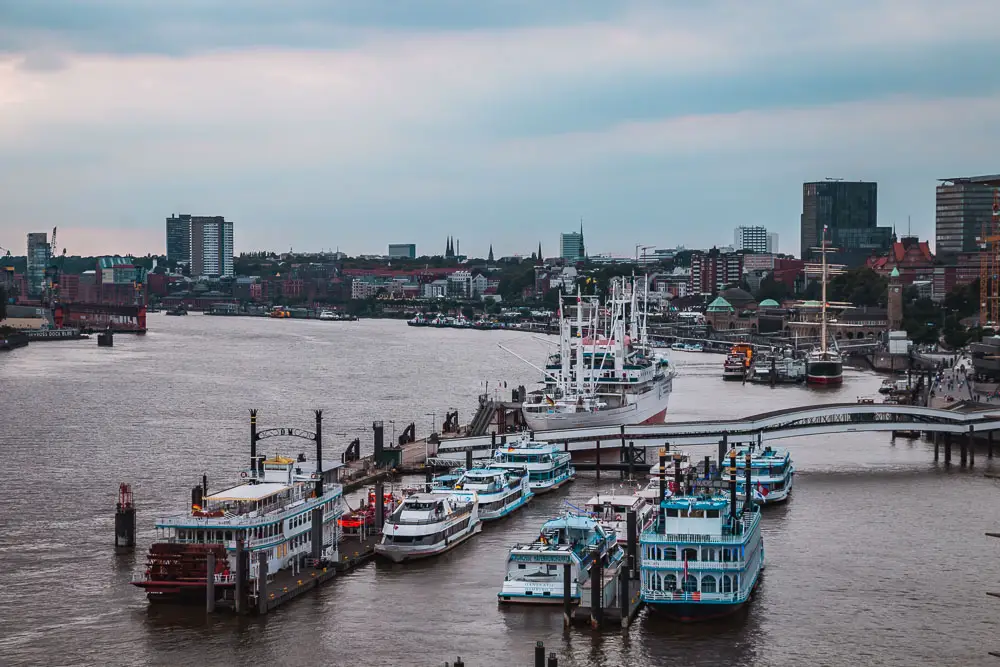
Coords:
pixel 429 524
pixel 651 492
pixel 535 571
pixel 777 368
pixel 612 512
pixel 363 518
pixel 771 473
pixel 500 491
pixel 703 557
pixel 605 372
pixel 737 362
pixel 548 468
pixel 271 513
pixel 327 315
pixel 669 466
pixel 418 321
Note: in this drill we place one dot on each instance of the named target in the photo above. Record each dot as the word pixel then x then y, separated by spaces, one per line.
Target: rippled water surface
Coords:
pixel 879 558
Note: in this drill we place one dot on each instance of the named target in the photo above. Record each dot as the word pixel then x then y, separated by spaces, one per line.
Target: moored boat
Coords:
pixel 605 372
pixel 771 473
pixel 547 467
pixel 737 362
pixel 362 519
pixel 429 524
pixel 703 557
pixel 270 513
pixel 612 512
pixel 500 491
pixel 535 571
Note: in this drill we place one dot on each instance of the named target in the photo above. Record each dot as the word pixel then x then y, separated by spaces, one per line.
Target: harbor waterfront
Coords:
pixel 878 557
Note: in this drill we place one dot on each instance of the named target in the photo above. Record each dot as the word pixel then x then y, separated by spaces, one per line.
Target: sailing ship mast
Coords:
pixel 822 329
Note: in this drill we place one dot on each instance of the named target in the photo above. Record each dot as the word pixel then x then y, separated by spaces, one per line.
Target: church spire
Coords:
pixel 539 251
pixel 490 258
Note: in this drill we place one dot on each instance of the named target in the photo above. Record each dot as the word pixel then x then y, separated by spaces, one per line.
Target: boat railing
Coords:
pixel 272 514
pixel 692 565
pixel 461 511
pixel 695 596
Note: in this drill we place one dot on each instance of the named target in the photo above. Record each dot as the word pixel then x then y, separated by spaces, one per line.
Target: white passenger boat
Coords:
pixel 535 571
pixel 703 557
pixel 500 491
pixel 605 372
pixel 771 473
pixel 548 468
pixel 428 524
pixel 270 513
pixel 612 512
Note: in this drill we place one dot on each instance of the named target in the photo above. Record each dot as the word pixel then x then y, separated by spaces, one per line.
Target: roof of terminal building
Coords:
pixel 993 180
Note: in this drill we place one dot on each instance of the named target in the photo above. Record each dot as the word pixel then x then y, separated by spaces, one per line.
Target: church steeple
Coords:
pixel 449 250
pixel 490 258
pixel 583 251
pixel 539 255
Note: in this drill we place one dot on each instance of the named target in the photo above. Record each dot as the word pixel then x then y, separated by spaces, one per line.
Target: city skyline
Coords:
pixel 321 127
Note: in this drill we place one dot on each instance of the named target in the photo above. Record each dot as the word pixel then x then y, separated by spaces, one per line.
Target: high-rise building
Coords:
pixel 714 271
pixel 849 212
pixel 964 205
pixel 179 238
pixel 571 246
pixel 753 238
pixel 772 242
pixel 39 253
pixel 203 242
pixel 402 251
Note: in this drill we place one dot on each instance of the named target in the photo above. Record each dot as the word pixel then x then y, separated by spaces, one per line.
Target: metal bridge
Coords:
pixel 787 423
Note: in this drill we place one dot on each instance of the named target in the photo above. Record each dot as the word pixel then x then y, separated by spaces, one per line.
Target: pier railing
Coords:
pixel 692 565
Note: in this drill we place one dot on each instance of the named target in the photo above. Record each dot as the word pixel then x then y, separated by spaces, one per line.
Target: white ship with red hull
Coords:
pixel 605 372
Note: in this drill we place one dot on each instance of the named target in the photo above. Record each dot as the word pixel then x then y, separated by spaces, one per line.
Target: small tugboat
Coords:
pixel 429 524
pixel 548 468
pixel 535 571
pixel 737 362
pixel 703 557
pixel 179 310
pixel 271 512
pixel 772 473
pixel 777 368
pixel 500 491
pixel 612 512
pixel 327 316
pixel 359 521
pixel 418 321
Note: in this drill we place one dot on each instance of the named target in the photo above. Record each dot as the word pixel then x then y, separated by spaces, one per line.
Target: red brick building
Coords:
pixel 910 256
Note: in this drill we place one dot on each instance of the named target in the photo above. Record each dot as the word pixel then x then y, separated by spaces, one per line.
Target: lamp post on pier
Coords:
pixel 433 416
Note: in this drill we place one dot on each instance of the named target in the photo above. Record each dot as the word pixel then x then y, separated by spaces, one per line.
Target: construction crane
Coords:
pixel 989 266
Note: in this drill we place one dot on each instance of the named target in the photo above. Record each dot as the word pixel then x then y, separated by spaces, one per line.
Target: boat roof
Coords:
pixel 766 453
pixel 571 521
pixel 487 472
pixel 611 499
pixel 249 491
pixel 423 497
pixel 696 503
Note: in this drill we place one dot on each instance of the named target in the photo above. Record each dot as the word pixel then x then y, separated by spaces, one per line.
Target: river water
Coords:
pixel 879 558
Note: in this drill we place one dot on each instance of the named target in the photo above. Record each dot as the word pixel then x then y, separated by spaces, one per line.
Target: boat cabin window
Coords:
pixel 671 512
pixel 689 554
pixel 421 506
pixel 690 584
pixel 712 514
pixel 670 553
pixel 708 584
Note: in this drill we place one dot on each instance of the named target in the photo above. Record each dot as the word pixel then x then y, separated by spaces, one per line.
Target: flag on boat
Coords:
pixel 549 401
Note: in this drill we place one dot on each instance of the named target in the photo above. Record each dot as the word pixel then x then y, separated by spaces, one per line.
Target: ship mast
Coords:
pixel 579 342
pixel 822 329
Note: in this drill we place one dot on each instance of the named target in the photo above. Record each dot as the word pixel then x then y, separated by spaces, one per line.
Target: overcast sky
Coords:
pixel 322 124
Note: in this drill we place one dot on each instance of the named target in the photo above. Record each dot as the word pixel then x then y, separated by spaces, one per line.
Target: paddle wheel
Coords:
pixel 176 572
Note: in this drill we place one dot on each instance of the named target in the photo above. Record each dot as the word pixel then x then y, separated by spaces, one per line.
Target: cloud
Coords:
pixel 320 124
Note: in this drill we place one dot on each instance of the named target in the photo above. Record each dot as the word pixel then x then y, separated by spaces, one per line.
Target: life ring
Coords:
pixel 243 474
